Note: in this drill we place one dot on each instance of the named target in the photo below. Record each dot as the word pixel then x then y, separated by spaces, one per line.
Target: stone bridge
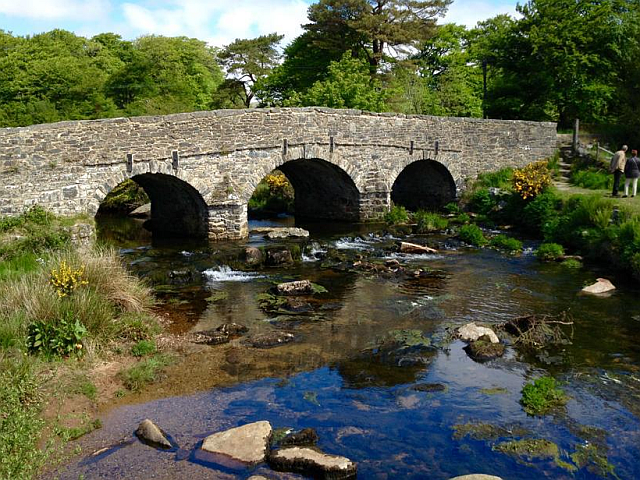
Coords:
pixel 200 169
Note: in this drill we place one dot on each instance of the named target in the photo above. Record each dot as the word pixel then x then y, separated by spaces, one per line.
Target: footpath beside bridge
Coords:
pixel 200 169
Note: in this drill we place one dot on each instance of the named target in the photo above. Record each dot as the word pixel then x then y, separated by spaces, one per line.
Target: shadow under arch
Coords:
pixel 177 208
pixel 322 190
pixel 424 184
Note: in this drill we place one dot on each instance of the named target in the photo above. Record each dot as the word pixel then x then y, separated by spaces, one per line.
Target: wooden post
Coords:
pixel 597 151
pixel 576 128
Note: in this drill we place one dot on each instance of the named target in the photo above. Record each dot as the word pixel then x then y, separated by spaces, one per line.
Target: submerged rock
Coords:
pixel 247 443
pixel 602 285
pixel 302 438
pixel 232 329
pixel 268 340
pixel 476 476
pixel 149 433
pixel 212 337
pixel 472 332
pixel 429 387
pixel 313 463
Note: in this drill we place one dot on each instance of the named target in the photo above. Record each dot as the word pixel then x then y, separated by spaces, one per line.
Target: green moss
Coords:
pixel 482 431
pixel 124 198
pixel 595 461
pixel 541 396
pixel 217 296
pixel 318 288
pixel 409 338
pixel 529 448
pixel 494 391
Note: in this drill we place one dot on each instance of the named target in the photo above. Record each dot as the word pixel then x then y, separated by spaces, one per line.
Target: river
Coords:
pixel 335 378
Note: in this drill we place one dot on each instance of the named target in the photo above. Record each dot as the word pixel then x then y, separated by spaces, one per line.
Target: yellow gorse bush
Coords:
pixel 65 280
pixel 531 180
pixel 278 184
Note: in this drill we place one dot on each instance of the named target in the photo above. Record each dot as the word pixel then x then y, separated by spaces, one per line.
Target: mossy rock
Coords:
pixel 483 349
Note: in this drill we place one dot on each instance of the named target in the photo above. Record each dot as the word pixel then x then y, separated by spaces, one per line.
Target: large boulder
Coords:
pixel 313 463
pixel 602 285
pixel 247 443
pixel 143 211
pixel 484 349
pixel 149 433
pixel 472 332
pixel 280 256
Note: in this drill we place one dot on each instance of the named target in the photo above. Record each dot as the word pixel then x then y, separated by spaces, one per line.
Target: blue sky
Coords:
pixel 218 22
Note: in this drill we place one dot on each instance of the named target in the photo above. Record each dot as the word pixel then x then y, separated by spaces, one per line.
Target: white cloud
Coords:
pixel 55 9
pixel 470 12
pixel 219 23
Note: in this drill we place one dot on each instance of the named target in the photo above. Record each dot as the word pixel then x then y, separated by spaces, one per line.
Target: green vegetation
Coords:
pixel 124 198
pixel 593 179
pixel 56 302
pixel 504 242
pixel 144 348
pixel 549 251
pixel 273 195
pixel 429 222
pixel 144 372
pixel 472 234
pixel 590 456
pixel 541 396
pixel 397 215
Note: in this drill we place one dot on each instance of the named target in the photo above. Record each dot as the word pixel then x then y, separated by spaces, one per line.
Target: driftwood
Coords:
pixel 406 247
pixel 539 331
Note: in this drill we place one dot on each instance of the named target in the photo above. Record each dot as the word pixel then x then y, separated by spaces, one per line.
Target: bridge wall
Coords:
pixel 69 167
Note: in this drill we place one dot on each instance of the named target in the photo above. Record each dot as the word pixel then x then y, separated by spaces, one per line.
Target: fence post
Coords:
pixel 597 151
pixel 576 127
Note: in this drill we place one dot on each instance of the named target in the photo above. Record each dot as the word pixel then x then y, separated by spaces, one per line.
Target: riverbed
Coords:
pixel 433 418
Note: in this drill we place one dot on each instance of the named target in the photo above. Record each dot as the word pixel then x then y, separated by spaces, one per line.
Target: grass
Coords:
pixel 472 234
pixel 506 243
pixel 144 348
pixel 146 371
pixel 108 305
pixel 429 221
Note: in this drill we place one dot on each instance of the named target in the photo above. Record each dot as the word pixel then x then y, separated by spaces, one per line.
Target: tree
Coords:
pixel 348 85
pixel 369 28
pixel 248 61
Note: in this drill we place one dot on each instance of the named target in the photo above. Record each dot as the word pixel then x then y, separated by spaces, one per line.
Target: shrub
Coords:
pixel 504 242
pixel 549 251
pixel 539 397
pixel 531 180
pixel 62 337
pixel 429 221
pixel 397 215
pixel 481 201
pixel 594 179
pixel 472 234
pixel 540 211
pixel 461 218
pixel 571 263
pixel 452 207
pixel 501 179
pixel 65 280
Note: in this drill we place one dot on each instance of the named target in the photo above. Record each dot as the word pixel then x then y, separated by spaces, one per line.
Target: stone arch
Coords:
pixel 423 184
pixel 177 208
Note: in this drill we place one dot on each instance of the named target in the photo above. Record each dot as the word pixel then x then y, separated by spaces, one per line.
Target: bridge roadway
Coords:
pixel 200 169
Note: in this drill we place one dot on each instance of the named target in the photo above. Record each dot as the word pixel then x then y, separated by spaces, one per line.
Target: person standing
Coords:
pixel 631 173
pixel 617 168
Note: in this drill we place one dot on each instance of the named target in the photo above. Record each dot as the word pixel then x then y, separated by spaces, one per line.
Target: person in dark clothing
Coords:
pixel 631 173
pixel 617 168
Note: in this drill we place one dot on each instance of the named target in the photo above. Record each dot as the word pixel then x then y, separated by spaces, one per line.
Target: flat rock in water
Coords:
pixel 484 349
pixel 298 287
pixel 267 340
pixel 149 433
pixel 602 285
pixel 212 337
pixel 232 329
pixel 471 332
pixel 476 476
pixel 313 463
pixel 406 247
pixel 280 232
pixel 247 443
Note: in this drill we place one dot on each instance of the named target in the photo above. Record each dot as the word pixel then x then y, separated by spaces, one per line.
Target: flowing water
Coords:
pixel 364 405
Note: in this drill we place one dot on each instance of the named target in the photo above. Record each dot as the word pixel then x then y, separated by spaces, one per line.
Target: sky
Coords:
pixel 219 22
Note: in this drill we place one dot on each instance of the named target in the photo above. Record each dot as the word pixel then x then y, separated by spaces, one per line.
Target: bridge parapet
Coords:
pixel 69 167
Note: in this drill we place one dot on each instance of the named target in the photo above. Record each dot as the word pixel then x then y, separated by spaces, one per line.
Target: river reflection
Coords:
pixel 331 378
